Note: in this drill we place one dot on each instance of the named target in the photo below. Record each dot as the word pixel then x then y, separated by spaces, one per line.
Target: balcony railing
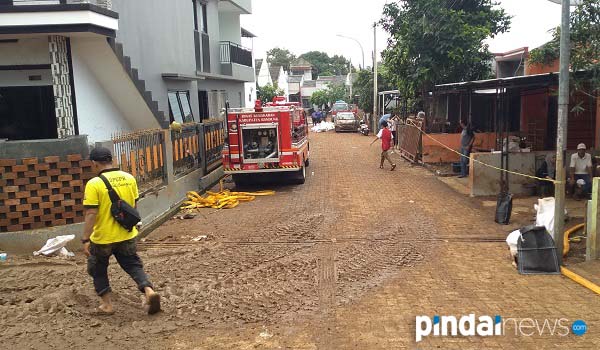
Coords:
pixel 100 3
pixel 234 53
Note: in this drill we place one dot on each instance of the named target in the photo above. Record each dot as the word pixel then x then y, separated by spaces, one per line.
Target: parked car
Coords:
pixel 346 121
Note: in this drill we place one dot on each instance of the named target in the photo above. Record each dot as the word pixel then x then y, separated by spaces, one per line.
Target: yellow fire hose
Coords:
pixel 570 274
pixel 224 199
pixel 566 242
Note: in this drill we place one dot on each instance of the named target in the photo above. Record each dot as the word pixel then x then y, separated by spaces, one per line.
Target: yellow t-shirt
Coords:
pixel 106 229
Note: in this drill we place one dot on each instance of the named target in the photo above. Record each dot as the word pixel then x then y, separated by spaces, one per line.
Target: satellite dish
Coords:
pixel 572 2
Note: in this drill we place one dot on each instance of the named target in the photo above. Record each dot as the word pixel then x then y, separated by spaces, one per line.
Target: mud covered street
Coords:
pixel 344 261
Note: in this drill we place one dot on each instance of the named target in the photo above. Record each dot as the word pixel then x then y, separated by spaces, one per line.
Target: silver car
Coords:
pixel 346 121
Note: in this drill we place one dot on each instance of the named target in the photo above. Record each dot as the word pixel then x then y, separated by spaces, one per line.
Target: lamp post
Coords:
pixel 561 129
pixel 359 44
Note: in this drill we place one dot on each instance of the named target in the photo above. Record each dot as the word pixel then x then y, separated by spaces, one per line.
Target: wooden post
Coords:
pixel 592 244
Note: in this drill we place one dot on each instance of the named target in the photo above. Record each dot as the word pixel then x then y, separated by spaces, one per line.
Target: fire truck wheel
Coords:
pixel 307 163
pixel 300 176
pixel 240 180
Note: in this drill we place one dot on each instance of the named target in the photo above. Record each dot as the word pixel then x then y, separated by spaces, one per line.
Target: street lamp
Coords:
pixel 561 128
pixel 361 48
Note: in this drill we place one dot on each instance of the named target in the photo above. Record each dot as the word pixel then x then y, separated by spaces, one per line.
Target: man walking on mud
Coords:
pixel 103 236
pixel 386 143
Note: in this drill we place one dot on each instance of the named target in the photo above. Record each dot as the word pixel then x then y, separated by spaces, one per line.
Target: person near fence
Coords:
pixel 103 236
pixel 581 169
pixel 547 171
pixel 386 137
pixel 467 138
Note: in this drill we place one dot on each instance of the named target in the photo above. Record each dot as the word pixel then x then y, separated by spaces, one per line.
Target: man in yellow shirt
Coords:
pixel 103 236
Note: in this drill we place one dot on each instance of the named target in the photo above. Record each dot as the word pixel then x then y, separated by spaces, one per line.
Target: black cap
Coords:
pixel 101 154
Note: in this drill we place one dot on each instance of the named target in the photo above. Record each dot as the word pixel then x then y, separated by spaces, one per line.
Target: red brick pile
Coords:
pixel 37 193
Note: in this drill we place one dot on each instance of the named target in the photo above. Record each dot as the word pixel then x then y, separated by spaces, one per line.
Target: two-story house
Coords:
pixel 74 67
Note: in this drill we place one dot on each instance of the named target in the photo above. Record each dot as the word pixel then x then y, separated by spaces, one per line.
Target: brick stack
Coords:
pixel 37 193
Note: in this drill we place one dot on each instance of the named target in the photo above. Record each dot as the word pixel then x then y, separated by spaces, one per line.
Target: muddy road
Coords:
pixel 279 264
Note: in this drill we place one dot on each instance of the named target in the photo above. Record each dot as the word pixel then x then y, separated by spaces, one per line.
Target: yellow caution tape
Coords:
pixel 480 162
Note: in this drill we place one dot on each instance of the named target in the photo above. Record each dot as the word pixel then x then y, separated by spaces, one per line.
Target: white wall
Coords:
pixel 24 52
pixel 250 96
pixel 229 27
pixel 21 77
pixel 116 87
pixel 97 115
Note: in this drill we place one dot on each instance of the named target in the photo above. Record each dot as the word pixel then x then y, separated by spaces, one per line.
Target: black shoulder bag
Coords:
pixel 126 215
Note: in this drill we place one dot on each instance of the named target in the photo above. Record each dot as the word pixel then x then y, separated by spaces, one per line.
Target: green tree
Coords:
pixel 585 47
pixel 320 61
pixel 280 57
pixel 325 65
pixel 363 86
pixel 267 92
pixel 439 41
pixel 319 98
pixel 336 92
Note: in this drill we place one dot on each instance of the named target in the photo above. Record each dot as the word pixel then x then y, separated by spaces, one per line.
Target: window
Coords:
pixel 27 113
pixel 179 106
pixel 184 100
pixel 204 25
pixel 195 5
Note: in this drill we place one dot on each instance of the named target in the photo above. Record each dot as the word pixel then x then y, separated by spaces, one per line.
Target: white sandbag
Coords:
pixel 545 214
pixel 512 240
pixel 323 126
pixel 54 245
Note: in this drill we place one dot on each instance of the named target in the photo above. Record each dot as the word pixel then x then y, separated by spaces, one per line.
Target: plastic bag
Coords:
pixel 513 241
pixel 55 245
pixel 503 208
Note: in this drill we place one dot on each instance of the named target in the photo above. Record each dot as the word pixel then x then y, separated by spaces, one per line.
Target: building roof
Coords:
pixel 247 34
pixel 300 63
pixel 310 83
pixel 275 71
pixel 295 78
pixel 336 79
pixel 512 82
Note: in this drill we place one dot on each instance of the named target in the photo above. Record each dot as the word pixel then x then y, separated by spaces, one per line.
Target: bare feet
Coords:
pixel 105 307
pixel 152 301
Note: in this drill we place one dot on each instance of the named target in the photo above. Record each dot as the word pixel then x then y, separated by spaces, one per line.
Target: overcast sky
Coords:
pixel 307 25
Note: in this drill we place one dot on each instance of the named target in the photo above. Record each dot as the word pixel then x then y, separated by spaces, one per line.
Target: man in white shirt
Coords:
pixel 581 167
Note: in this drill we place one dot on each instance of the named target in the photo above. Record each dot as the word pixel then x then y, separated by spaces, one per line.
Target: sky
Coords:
pixel 313 25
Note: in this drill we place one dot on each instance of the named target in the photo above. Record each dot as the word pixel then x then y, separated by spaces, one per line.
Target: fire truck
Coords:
pixel 267 140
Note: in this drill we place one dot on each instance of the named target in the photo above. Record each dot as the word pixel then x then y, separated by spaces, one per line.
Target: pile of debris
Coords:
pixel 323 126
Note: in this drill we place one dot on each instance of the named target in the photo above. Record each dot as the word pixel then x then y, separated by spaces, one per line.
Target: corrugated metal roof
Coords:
pixel 310 83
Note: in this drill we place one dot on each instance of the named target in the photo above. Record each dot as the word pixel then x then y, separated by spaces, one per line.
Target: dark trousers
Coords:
pixel 126 254
pixel 464 161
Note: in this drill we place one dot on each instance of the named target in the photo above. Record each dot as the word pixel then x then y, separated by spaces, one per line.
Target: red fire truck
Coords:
pixel 267 139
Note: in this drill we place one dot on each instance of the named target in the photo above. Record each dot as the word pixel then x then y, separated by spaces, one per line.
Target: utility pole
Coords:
pixel 375 100
pixel 561 132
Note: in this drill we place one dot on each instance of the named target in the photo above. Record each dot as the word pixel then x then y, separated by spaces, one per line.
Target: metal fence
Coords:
pixel 186 148
pixel 214 139
pixel 141 154
pixel 234 53
pixel 409 140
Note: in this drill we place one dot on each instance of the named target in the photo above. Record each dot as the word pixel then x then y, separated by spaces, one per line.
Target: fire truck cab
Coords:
pixel 267 139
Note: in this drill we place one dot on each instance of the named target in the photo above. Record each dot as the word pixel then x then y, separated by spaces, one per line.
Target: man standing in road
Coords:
pixel 581 168
pixel 467 138
pixel 386 143
pixel 103 236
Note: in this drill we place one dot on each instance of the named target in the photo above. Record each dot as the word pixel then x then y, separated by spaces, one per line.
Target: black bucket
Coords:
pixel 537 252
